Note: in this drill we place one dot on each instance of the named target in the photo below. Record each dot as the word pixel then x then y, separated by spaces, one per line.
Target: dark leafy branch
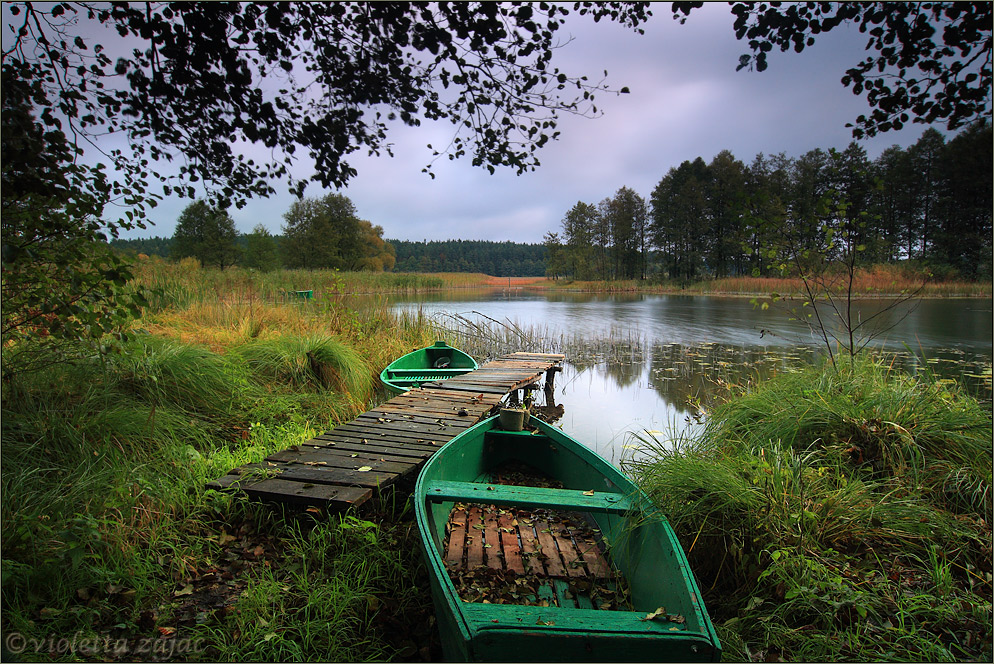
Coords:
pixel 176 94
pixel 929 62
pixel 203 80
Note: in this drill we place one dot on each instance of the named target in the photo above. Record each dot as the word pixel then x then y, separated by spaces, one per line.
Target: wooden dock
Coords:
pixel 347 465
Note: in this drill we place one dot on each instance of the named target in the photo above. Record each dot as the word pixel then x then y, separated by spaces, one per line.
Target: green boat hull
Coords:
pixel 644 549
pixel 433 363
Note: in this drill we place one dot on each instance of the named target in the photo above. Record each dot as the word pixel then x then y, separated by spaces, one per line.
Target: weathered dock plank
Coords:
pixel 374 447
pixel 347 465
pixel 303 493
pixel 341 459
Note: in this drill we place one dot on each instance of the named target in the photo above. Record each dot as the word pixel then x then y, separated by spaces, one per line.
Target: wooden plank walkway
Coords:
pixel 347 465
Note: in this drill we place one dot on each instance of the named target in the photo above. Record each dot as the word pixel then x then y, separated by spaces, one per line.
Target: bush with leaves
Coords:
pixel 63 287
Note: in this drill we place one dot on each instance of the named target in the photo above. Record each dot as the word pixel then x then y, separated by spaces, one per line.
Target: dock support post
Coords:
pixel 529 395
pixel 550 384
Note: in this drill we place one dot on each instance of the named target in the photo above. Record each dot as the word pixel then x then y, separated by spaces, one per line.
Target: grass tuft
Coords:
pixel 109 533
pixel 837 515
pixel 316 363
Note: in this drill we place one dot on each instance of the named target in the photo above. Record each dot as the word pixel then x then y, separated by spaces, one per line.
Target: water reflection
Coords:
pixel 699 374
pixel 690 319
pixel 647 362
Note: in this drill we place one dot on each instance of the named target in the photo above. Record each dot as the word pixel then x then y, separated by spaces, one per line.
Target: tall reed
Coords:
pixel 183 283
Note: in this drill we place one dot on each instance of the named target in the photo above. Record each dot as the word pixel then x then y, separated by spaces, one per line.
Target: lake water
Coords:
pixel 638 363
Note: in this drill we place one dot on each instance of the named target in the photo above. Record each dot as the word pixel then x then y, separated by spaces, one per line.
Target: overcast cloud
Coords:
pixel 686 101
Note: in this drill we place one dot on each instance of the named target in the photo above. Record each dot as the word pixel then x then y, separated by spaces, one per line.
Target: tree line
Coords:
pixel 930 203
pixel 499 259
pixel 327 233
pixel 318 233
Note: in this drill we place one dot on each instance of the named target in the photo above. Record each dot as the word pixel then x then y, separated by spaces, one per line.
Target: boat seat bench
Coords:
pixel 526 496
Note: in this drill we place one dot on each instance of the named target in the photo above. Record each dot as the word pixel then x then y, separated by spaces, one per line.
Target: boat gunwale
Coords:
pixel 471 627
pixel 400 388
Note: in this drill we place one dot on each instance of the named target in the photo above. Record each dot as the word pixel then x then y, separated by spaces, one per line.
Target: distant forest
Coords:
pixel 152 246
pixel 499 259
pixel 929 203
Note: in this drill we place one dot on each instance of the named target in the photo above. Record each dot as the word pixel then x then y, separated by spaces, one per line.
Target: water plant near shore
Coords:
pixel 184 283
pixel 837 515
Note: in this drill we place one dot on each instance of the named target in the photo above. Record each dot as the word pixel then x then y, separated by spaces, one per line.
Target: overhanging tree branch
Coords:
pixel 948 44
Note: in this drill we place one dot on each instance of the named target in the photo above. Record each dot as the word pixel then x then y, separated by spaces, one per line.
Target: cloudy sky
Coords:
pixel 686 101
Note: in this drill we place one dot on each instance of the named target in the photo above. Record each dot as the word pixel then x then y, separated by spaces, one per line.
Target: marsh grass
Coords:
pixel 108 531
pixel 873 281
pixel 837 515
pixel 484 338
pixel 313 362
pixel 183 283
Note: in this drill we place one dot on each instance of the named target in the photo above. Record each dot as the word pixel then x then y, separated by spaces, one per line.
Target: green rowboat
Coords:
pixel 428 364
pixel 540 550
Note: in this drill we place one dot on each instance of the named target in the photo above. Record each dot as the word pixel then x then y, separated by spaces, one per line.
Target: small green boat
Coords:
pixel 540 550
pixel 432 363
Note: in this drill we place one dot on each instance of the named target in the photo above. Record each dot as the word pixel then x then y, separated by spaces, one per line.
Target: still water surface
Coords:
pixel 638 363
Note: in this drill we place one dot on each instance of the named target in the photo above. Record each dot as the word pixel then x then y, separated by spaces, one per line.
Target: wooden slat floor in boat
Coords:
pixel 508 555
pixel 347 465
pixel 524 542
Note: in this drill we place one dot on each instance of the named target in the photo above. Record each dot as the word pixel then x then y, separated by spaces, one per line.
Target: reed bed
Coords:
pixel 876 281
pixel 184 282
pixel 484 338
pixel 873 281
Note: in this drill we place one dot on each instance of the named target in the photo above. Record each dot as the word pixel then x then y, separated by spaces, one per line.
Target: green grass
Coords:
pixel 837 516
pixel 309 363
pixel 110 536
